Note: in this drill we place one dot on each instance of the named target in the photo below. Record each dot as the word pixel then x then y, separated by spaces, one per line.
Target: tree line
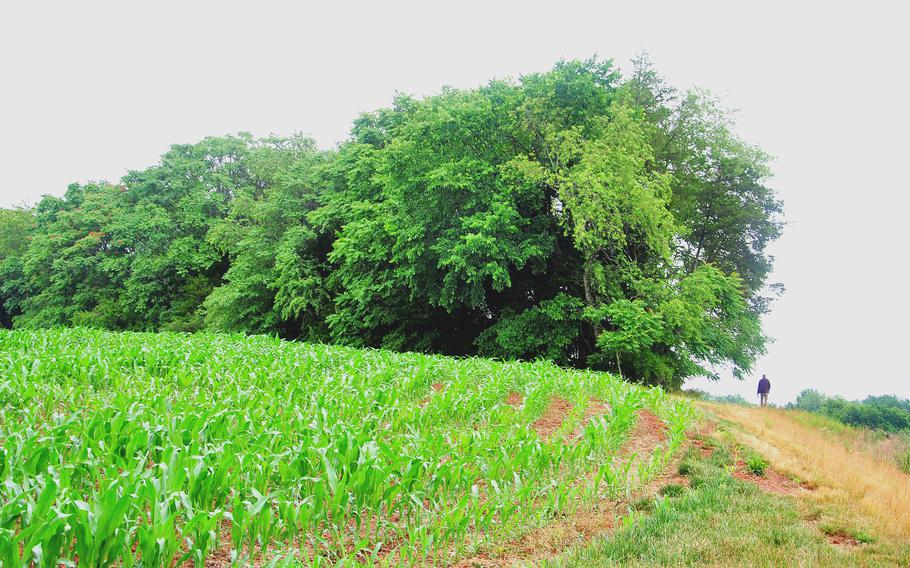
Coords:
pixel 888 412
pixel 579 215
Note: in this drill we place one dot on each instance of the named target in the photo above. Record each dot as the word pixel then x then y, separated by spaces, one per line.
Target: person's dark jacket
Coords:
pixel 764 386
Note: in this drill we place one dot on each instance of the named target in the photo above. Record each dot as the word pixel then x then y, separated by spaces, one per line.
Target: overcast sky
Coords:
pixel 89 90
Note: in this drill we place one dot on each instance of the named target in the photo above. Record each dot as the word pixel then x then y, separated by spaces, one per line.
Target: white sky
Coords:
pixel 89 90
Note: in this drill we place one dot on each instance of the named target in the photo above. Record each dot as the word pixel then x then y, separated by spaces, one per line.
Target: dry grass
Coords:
pixel 847 476
pixel 880 445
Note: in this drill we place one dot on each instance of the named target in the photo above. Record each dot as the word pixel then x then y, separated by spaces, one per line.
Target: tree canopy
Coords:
pixel 575 215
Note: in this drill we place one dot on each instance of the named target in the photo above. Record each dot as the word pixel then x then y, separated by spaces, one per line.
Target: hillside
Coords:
pixel 846 464
pixel 164 448
pixel 765 487
pixel 121 449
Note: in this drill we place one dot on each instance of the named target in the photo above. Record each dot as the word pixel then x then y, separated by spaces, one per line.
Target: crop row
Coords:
pixel 154 449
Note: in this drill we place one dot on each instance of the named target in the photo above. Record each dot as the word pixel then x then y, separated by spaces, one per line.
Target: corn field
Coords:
pixel 142 449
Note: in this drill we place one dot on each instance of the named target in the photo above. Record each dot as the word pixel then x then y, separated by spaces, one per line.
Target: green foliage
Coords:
pixel 276 280
pixel 810 400
pixel 129 448
pixel 732 399
pixel 636 328
pixel 571 215
pixel 16 227
pixel 135 255
pixel 888 413
pixel 756 464
pixel 682 329
pixel 549 330
pixel 726 213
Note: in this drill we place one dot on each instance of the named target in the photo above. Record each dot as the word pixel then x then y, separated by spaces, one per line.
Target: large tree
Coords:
pixel 536 219
pixel 726 212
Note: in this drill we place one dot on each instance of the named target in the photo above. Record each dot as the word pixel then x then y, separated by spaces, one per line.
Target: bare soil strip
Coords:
pixel 842 539
pixel 515 399
pixel 771 481
pixel 552 418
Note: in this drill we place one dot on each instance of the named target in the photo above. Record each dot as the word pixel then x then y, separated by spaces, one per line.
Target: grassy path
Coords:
pixel 871 490
pixel 846 509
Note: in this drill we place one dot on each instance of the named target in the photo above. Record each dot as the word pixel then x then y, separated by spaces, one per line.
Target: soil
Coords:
pixel 515 398
pixel 842 539
pixel 556 413
pixel 648 433
pixel 595 408
pixel 674 479
pixel 219 557
pixel 705 449
pixel 770 482
pixel 553 417
pixel 438 387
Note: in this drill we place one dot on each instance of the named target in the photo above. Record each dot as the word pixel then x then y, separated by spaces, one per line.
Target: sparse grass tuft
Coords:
pixel 672 490
pixel 642 504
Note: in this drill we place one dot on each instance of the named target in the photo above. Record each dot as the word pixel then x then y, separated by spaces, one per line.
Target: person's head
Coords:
pixel 764 377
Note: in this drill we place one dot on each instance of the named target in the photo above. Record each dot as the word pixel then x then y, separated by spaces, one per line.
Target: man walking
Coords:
pixel 764 387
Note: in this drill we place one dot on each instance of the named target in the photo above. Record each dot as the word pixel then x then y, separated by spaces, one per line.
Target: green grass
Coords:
pixel 903 460
pixel 121 448
pixel 723 521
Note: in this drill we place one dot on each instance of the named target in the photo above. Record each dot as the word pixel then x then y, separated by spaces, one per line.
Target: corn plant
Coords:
pixel 158 449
